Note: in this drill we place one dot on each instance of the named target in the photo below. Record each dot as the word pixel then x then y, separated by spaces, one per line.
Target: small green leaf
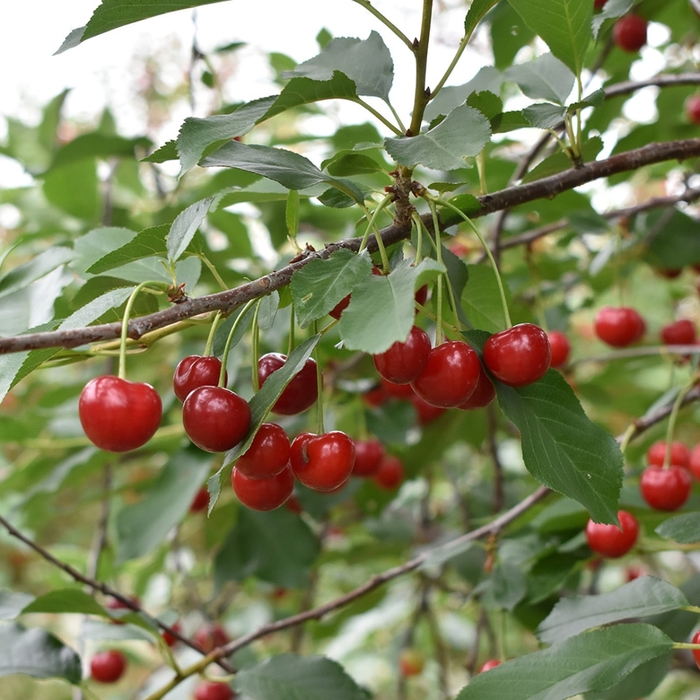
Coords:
pixel 12 604
pixel 477 11
pixel 560 161
pixel 642 597
pixel 544 78
pixel 544 115
pixel 75 189
pixel 168 151
pixel 611 11
pixel 23 275
pixel 148 243
pixel 487 103
pixel 267 310
pixel 66 600
pixel 481 300
pixel 98 145
pixel 684 529
pixel 185 226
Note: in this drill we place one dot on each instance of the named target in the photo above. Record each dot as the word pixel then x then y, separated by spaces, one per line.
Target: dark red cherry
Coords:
pixel 322 462
pixel 630 32
pixel 619 326
pixel 263 494
pixel 390 474
pixel 195 371
pixel 610 540
pixel 267 455
pixel 665 489
pixel 368 455
pixel 519 355
pixel 561 348
pixel 482 396
pixel 301 393
pixel 170 639
pixel 211 690
pixel 680 454
pixel 426 412
pixel 201 500
pixel 211 635
pixel 397 391
pixel 679 333
pixel 107 666
pixel 404 361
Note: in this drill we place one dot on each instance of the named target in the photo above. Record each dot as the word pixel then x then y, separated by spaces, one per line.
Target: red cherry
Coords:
pixel 215 418
pixel 519 355
pixel 210 690
pixel 561 348
pixel 200 501
pixel 368 455
pixel 195 371
pixel 170 639
pixel 488 665
pixel 619 326
pixel 374 398
pixel 404 361
pixel 610 540
pixel 411 662
pixel 426 412
pixel 680 454
pixel 301 393
pixel 665 489
pixel 263 494
pixel 211 635
pixel 670 273
pixel 390 473
pixel 107 666
pixel 267 455
pixel 694 462
pixel 293 505
pixel 118 415
pixel 421 296
pixel 679 333
pixel 450 376
pixel 696 652
pixel 483 395
pixel 322 462
pixel 116 604
pixel 397 391
pixel 630 32
pixel 337 311
pixel 692 109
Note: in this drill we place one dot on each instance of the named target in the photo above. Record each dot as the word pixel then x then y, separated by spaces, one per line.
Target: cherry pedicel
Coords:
pixel 210 690
pixel 107 666
pixel 665 489
pixel 404 361
pixel 390 473
pixel 118 415
pixel 619 326
pixel 267 455
pixel 518 356
pixel 368 456
pixel 450 376
pixel 630 33
pixel 301 392
pixel 201 500
pixel 322 462
pixel 679 333
pixel 215 418
pixel 263 494
pixel 680 454
pixel 195 371
pixel 611 541
pixel 561 348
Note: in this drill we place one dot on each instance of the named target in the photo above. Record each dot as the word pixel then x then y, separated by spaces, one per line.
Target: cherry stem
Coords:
pixel 672 418
pixel 227 347
pixel 290 345
pixel 255 342
pixel 448 283
pixel 489 254
pixel 125 327
pixel 320 430
pixel 371 224
pixel 212 333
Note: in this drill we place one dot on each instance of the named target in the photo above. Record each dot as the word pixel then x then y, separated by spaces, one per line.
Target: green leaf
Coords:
pixel 267 310
pixel 112 14
pixel 564 25
pixel 22 276
pixel 222 332
pixel 611 11
pixel 292 677
pixel 477 11
pixel 168 151
pixel 684 529
pixel 291 214
pixel 562 448
pixel 275 546
pixel 544 115
pixel 33 652
pixel 481 299
pixel 544 78
pixel 148 243
pixel 487 103
pixel 12 604
pixel 96 308
pixel 591 661
pixel 185 226
pixel 463 133
pixel 75 189
pixel 560 161
pixel 97 145
pixel 676 244
pixel 346 163
pixel 642 597
pixel 391 298
pixel 66 600
pixel 321 284
pixel 144 525
pixel 366 62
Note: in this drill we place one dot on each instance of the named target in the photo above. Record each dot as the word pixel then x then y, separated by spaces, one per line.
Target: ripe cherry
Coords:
pixel 488 665
pixel 421 296
pixel 115 605
pixel 375 397
pixel 322 462
pixel 201 501
pixel 368 456
pixel 404 361
pixel 694 462
pixel 390 473
pixel 107 666
pixel 610 540
pixel 518 356
pixel 263 494
pixel 665 489
pixel 118 415
pixel 215 418
pixel 195 371
pixel 301 393
pixel 619 326
pixel 170 639
pixel 267 455
pixel 630 32
pixel 397 391
pixel 337 311
pixel 426 412
pixel 210 690
pixel 680 454
pixel 411 662
pixel 483 395
pixel 293 505
pixel 692 109
pixel 696 652
pixel 680 332
pixel 450 376
pixel 211 635
pixel 561 348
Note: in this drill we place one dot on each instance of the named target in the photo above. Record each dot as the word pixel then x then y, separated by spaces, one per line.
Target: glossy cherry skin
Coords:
pixel 195 371
pixel 611 541
pixel 404 361
pixel 696 652
pixel 108 666
pixel 211 635
pixel 679 333
pixel 263 494
pixel 390 474
pixel 397 391
pixel 210 690
pixel 561 348
pixel 680 454
pixel 483 395
pixel 619 326
pixel 301 393
pixel 215 418
pixel 630 33
pixel 267 455
pixel 450 376
pixel 488 665
pixel 427 413
pixel 322 462
pixel 201 500
pixel 692 109
pixel 665 489
pixel 368 456
pixel 118 415
pixel 519 355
